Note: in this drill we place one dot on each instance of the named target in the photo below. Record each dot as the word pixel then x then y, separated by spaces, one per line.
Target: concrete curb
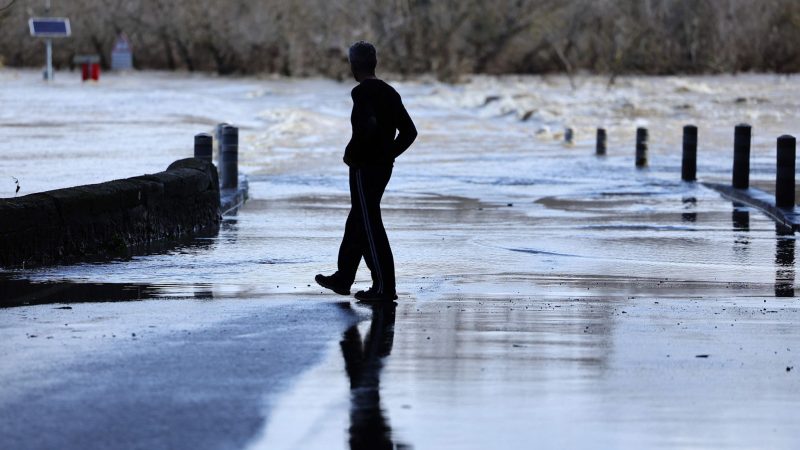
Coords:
pixel 788 218
pixel 114 218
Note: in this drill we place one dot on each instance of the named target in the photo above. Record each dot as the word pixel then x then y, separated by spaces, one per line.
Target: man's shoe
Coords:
pixel 371 295
pixel 332 283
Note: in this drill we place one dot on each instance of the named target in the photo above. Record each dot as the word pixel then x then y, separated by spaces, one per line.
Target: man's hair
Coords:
pixel 363 56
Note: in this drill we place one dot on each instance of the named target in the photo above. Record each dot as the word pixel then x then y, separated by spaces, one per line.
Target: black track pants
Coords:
pixel 364 234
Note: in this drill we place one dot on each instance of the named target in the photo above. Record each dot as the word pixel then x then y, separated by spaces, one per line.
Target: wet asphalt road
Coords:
pixel 182 381
pixel 516 346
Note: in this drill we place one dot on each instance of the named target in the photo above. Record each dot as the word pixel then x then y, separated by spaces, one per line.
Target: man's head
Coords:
pixel 363 59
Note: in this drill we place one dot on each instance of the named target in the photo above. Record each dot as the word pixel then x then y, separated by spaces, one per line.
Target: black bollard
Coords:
pixel 785 183
pixel 641 147
pixel 229 157
pixel 741 156
pixel 203 144
pixel 569 134
pixel 689 166
pixel 600 147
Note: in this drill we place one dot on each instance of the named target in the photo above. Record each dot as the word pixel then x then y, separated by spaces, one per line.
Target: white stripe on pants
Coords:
pixel 370 238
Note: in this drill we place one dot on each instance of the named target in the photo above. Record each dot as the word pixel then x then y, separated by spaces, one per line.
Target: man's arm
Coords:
pixel 364 122
pixel 407 131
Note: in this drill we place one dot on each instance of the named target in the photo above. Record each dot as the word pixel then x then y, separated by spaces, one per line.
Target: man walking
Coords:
pixel 382 130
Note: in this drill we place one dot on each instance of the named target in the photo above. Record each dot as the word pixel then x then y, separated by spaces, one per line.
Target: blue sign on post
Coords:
pixel 49 28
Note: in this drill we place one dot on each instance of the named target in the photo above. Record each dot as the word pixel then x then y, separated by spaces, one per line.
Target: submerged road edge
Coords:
pixel 788 218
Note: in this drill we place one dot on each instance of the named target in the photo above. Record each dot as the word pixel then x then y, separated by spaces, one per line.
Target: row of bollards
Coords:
pixel 641 147
pixel 741 156
pixel 229 157
pixel 227 137
pixel 203 146
pixel 785 174
pixel 602 141
pixel 689 162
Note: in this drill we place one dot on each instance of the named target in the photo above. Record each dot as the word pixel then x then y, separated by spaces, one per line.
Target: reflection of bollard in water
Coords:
pixel 689 217
pixel 689 164
pixel 641 147
pixel 740 217
pixel 203 145
pixel 600 146
pixel 741 156
pixel 203 292
pixel 689 205
pixel 785 178
pixel 569 134
pixel 784 264
pixel 229 157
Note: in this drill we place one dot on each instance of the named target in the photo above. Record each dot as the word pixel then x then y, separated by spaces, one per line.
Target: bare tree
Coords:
pixel 445 37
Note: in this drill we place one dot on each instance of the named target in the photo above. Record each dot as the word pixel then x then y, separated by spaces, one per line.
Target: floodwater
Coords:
pixel 548 298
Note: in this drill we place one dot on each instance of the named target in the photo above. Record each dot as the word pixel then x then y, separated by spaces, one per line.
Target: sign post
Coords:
pixel 49 28
pixel 49 71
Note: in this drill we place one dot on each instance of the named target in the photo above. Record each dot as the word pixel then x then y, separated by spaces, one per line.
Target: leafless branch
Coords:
pixel 7 7
pixel 446 37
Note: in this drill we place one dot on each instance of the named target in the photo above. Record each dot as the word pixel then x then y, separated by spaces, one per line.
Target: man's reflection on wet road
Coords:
pixel 369 428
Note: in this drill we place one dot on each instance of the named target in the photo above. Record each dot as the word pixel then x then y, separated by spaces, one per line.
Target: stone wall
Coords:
pixel 109 219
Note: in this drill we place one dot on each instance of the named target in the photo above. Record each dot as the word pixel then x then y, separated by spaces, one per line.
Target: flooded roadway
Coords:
pixel 548 298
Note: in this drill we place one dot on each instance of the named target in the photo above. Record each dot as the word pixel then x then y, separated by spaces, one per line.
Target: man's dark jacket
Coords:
pixel 378 112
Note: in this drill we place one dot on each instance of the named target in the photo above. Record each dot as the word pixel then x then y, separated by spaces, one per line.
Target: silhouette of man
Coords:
pixel 382 131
